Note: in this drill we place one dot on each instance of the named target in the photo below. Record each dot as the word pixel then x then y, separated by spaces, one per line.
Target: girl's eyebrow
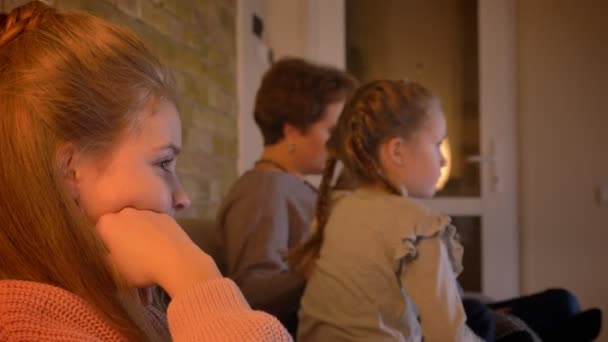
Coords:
pixel 176 150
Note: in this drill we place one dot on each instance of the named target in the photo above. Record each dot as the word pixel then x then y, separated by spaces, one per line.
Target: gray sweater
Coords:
pixel 264 214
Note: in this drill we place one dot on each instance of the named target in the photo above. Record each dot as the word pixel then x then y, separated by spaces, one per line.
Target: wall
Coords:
pixel 311 29
pixel 252 62
pixel 563 85
pixel 197 39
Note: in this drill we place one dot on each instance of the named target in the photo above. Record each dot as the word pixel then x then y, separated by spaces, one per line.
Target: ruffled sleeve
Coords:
pixel 429 227
pixel 431 257
pixel 451 238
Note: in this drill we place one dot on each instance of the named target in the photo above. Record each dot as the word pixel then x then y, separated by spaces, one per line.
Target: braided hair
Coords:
pixel 22 19
pixel 378 111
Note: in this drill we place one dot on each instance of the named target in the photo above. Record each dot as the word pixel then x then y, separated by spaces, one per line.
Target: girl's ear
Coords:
pixel 67 156
pixel 396 151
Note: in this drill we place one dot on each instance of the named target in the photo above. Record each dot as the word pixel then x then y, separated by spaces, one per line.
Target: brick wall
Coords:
pixel 197 39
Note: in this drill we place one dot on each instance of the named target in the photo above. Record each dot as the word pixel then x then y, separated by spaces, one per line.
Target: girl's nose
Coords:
pixel 180 199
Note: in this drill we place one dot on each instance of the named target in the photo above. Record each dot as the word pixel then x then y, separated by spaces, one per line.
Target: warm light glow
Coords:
pixel 445 171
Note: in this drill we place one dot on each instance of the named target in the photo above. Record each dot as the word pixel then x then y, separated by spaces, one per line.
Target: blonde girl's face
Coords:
pixel 424 159
pixel 140 173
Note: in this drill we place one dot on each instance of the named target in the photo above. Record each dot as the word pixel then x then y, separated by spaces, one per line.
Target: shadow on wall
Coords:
pixel 200 232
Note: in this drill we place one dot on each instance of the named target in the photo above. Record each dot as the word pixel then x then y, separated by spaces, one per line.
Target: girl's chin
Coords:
pixel 424 195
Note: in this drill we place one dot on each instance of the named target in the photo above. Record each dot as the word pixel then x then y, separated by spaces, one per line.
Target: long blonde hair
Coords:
pixel 378 111
pixel 66 78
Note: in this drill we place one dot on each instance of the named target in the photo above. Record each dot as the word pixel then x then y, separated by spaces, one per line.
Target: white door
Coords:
pixel 497 204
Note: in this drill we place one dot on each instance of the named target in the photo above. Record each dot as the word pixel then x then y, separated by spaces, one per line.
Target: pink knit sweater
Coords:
pixel 211 311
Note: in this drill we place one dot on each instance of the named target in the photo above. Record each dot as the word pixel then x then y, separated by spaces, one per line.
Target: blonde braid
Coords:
pixel 301 258
pixel 370 165
pixel 360 156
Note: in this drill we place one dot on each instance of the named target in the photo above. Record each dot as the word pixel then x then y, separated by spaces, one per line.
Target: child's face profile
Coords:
pixel 140 173
pixel 425 160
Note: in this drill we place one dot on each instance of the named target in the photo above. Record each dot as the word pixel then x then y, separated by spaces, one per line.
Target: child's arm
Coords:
pixel 430 281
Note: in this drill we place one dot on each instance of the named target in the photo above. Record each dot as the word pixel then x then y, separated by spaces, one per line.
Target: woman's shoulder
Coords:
pixel 36 311
pixel 266 193
pixel 270 183
pixel 30 295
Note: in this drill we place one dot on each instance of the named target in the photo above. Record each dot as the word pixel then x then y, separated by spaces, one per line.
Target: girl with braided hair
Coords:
pixel 380 266
pixel 90 135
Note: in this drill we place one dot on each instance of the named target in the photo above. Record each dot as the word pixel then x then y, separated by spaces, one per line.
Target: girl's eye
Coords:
pixel 166 164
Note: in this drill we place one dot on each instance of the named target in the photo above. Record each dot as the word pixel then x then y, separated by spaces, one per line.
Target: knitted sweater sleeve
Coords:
pixel 217 311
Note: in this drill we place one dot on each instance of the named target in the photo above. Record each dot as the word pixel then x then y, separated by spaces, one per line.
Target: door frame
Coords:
pixel 498 204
